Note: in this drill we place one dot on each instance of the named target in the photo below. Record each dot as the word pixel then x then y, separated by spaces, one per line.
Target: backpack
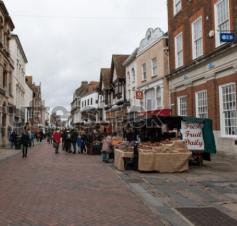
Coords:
pixel 32 135
pixel 68 135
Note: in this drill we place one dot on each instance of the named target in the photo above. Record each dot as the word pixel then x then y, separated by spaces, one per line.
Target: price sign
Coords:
pixel 192 134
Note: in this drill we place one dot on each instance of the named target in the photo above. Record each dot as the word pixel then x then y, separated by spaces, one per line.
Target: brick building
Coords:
pixel 203 70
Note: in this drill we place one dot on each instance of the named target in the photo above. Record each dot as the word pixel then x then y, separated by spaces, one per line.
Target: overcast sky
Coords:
pixel 67 42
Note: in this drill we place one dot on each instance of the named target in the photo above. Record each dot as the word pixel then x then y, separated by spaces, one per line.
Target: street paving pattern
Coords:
pixel 49 189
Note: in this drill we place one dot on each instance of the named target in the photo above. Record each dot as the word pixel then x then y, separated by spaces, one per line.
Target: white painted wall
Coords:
pixel 132 85
pixel 94 97
pixel 19 73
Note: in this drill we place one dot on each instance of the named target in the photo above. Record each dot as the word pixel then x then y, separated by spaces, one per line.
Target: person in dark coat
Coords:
pixel 13 137
pixel 68 141
pixel 41 135
pixel 83 143
pixel 74 141
pixel 25 141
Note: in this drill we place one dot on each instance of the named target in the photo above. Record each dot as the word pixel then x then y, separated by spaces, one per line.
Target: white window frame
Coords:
pixel 217 33
pixel 133 74
pixel 176 51
pixel 175 10
pixel 193 39
pixel 153 75
pixel 159 106
pixel 143 78
pixel 129 78
pixel 196 102
pixel 222 122
pixel 179 104
pixel 151 104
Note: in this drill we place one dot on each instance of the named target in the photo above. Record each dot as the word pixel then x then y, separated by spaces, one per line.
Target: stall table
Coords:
pixel 167 158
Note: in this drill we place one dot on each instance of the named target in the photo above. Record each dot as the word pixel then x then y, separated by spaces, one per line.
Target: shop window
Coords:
pixel 197 38
pixel 222 19
pixel 201 104
pixel 228 109
pixel 182 106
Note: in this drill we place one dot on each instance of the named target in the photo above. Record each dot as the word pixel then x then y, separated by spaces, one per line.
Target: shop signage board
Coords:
pixel 192 134
pixel 155 112
pixel 139 95
pixel 227 37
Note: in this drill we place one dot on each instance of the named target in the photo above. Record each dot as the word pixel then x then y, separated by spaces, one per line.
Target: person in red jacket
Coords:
pixel 57 137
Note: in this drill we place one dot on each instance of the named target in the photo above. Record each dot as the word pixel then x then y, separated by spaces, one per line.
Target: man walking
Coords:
pixel 25 141
pixel 74 141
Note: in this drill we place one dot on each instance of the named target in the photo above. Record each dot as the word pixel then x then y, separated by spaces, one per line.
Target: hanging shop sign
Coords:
pixel 139 95
pixel 192 134
pixel 227 37
pixel 156 112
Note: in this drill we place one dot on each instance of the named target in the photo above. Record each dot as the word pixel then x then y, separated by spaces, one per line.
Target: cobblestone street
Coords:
pixel 49 189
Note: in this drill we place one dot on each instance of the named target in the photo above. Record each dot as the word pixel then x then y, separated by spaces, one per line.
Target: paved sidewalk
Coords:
pixel 198 197
pixel 49 189
pixel 6 153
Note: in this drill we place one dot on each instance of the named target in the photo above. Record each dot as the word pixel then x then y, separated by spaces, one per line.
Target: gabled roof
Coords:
pixel 117 64
pixel 131 57
pixel 104 77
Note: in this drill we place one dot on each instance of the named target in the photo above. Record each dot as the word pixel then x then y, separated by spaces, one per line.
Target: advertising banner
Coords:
pixel 155 112
pixel 192 134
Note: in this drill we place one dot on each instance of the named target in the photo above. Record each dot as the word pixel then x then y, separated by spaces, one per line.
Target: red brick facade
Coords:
pixel 190 11
pixel 212 98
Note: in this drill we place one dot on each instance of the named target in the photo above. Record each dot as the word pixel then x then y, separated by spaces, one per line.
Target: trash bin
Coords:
pixel 18 143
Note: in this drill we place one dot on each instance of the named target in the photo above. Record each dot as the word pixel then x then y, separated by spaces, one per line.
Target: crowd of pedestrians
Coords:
pixel 72 141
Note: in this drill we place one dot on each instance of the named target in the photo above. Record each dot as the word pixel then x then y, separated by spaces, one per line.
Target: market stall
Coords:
pixel 165 152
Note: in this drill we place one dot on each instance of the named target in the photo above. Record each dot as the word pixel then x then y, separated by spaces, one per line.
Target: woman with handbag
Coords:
pixel 106 148
pixel 56 137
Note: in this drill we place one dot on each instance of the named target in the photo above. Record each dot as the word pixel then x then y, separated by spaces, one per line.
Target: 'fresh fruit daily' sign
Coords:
pixel 192 134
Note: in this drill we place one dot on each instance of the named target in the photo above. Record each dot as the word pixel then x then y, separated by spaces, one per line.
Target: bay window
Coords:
pixel 118 88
